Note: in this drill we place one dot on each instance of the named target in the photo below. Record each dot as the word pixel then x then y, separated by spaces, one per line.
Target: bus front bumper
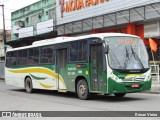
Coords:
pixel 128 87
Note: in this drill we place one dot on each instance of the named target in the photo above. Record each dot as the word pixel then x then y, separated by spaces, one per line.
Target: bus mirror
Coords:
pixel 106 49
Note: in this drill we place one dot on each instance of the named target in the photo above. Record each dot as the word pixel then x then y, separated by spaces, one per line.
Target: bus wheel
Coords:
pixel 82 90
pixel 28 85
pixel 120 94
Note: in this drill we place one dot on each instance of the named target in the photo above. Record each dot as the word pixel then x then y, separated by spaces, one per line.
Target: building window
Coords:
pixel 22 57
pixel 33 56
pixel 51 14
pixel 45 1
pixel 78 51
pixel 27 20
pixel 47 55
pixel 40 17
pixel 34 20
pixel 17 23
pixel 47 13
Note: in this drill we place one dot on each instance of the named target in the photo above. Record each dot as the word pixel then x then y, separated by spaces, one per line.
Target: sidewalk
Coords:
pixel 155 85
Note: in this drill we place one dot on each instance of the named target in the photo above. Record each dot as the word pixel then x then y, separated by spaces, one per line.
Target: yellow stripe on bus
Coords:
pixel 133 75
pixel 38 70
pixel 45 86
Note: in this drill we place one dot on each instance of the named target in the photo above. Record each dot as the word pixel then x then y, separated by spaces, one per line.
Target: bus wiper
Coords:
pixel 116 58
pixel 126 57
pixel 137 58
pixel 127 54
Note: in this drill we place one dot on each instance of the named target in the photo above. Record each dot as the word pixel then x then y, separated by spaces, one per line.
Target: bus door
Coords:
pixel 61 62
pixel 96 60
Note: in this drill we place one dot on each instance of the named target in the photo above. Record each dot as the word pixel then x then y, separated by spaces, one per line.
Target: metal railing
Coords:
pixel 155 71
pixel 155 78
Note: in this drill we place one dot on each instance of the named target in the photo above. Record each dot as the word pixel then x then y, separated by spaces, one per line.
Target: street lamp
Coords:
pixel 4 31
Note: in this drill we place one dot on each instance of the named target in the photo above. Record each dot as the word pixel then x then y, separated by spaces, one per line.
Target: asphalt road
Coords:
pixel 16 99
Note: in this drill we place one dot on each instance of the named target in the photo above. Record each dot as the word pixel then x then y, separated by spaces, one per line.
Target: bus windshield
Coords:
pixel 127 53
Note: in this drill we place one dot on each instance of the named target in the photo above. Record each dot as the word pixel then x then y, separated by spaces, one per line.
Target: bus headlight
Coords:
pixel 149 77
pixel 114 77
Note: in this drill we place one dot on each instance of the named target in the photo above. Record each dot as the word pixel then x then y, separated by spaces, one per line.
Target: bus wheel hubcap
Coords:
pixel 82 89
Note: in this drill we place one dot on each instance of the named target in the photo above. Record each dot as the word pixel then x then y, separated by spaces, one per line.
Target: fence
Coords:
pixel 155 71
pixel 1 69
pixel 155 78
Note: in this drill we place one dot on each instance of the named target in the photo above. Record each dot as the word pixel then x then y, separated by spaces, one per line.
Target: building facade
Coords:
pixel 80 17
pixel 33 22
pixel 8 38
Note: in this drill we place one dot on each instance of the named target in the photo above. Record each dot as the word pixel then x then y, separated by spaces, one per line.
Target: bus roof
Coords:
pixel 67 39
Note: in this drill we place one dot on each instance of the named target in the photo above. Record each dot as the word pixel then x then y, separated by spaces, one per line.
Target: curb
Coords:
pixel 152 92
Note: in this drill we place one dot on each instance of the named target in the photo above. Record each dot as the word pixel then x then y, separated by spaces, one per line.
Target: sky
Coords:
pixel 10 6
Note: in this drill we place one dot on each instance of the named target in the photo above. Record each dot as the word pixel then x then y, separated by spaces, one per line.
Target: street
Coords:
pixel 16 99
pixel 87 46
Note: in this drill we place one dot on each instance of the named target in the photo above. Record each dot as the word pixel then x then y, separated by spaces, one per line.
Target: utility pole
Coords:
pixel 4 30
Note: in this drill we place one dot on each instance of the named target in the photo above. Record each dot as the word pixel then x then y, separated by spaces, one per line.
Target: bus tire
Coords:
pixel 120 94
pixel 82 90
pixel 28 85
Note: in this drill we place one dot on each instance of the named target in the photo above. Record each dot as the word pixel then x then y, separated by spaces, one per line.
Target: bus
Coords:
pixel 104 63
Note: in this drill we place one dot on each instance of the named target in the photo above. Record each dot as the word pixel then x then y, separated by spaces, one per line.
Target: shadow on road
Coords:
pixel 94 97
pixel 112 98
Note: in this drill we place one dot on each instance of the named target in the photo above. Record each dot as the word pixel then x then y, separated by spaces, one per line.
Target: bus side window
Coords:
pixel 13 58
pixel 73 51
pixel 33 56
pixel 47 55
pixel 78 51
pixel 8 59
pixel 22 57
pixel 85 50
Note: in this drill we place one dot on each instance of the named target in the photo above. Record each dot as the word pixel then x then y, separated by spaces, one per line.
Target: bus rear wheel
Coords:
pixel 28 85
pixel 120 94
pixel 83 90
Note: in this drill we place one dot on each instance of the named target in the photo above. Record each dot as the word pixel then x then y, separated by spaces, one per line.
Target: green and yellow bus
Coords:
pixel 105 63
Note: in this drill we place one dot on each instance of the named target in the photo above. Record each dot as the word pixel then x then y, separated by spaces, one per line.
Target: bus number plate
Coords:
pixel 135 86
